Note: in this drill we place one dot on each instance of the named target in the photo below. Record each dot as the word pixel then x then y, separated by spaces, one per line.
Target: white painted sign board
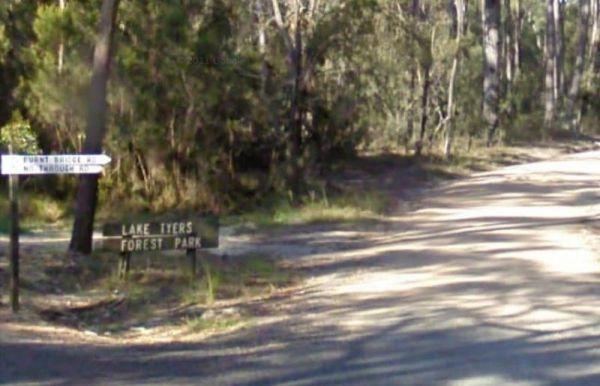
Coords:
pixel 54 164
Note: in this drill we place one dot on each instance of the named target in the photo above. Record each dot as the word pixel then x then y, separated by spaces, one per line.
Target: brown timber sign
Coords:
pixel 183 234
pixel 159 236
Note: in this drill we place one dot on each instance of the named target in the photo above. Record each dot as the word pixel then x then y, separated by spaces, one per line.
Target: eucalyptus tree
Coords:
pixel 87 192
pixel 458 13
pixel 579 67
pixel 491 80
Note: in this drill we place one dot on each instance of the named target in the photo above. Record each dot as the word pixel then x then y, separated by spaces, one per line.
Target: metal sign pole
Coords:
pixel 13 196
pixel 15 165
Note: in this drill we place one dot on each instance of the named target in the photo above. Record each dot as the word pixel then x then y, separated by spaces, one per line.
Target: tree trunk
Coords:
pixel 509 43
pixel 594 58
pixel 424 103
pixel 61 45
pixel 87 193
pixel 412 87
pixel 411 109
pixel 550 68
pixel 296 114
pixel 262 47
pixel 559 32
pixel 573 93
pixel 517 30
pixel 458 13
pixel 595 35
pixel 491 80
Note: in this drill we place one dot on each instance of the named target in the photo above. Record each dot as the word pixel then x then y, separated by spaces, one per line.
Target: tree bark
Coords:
pixel 517 30
pixel 296 112
pixel 262 46
pixel 458 13
pixel 550 68
pixel 573 92
pixel 426 65
pixel 559 37
pixel 491 80
pixel 594 58
pixel 412 86
pixel 295 47
pixel 595 35
pixel 424 103
pixel 61 45
pixel 410 124
pixel 509 39
pixel 87 192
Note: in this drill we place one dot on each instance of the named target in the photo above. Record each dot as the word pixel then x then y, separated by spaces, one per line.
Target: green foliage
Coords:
pixel 4 44
pixel 201 92
pixel 56 96
pixel 19 136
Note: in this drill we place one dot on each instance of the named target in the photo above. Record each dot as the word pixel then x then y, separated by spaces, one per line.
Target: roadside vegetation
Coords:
pixel 335 199
pixel 160 292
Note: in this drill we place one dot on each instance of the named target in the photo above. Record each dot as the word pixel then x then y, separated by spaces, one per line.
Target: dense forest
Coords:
pixel 215 104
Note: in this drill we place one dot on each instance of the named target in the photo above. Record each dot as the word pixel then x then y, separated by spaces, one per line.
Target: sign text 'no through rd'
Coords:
pixel 54 164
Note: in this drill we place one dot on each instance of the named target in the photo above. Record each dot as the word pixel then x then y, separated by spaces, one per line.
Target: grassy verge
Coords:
pixel 324 207
pixel 35 211
pixel 159 287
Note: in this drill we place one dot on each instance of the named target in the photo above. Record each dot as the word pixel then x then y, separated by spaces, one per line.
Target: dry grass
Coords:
pixel 90 296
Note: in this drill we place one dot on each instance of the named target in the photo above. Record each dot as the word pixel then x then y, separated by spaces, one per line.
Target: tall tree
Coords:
pixel 550 80
pixel 414 11
pixel 559 39
pixel 508 44
pixel 291 28
pixel 61 45
pixel 87 193
pixel 491 76
pixel 517 36
pixel 578 70
pixel 457 8
pixel 426 43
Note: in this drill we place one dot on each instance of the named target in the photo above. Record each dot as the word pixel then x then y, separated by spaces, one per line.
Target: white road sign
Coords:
pixel 54 164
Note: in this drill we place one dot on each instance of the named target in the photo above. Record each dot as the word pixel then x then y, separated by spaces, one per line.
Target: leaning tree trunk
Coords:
pixel 573 92
pixel 491 80
pixel 550 76
pixel 87 192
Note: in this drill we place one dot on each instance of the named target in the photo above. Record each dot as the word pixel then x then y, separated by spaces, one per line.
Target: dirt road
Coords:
pixel 494 281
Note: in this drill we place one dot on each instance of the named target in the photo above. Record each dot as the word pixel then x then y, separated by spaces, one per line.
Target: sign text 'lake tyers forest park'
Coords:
pixel 186 234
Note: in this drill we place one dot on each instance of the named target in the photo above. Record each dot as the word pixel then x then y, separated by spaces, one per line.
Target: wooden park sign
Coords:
pixel 188 234
pixel 13 166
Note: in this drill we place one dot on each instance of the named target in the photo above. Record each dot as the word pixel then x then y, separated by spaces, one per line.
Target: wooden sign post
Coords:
pixel 16 165
pixel 13 198
pixel 189 234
